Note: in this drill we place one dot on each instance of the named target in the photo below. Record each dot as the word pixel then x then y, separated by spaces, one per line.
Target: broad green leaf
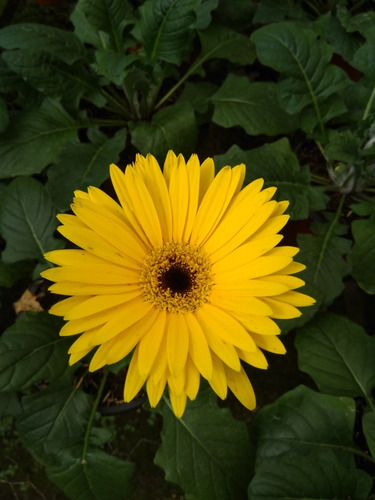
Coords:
pixel 165 28
pixel 338 38
pixel 344 146
pixel 31 350
pixel 27 221
pixel 362 256
pixel 203 13
pixel 4 118
pixel 173 127
pixel 279 166
pixel 91 167
pixel 52 77
pixel 197 94
pixel 271 11
pixel 308 80
pixel 52 421
pixel 102 22
pixel 206 452
pixel 9 404
pixel 235 13
pixel 113 65
pixel 224 43
pixel 338 355
pixel 11 273
pixel 42 38
pixel 99 477
pixel 319 476
pixel 302 421
pixel 368 425
pixel 323 254
pixel 9 80
pixel 34 139
pixel 253 106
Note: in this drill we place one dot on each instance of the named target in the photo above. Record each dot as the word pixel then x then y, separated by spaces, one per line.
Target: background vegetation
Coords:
pixel 288 88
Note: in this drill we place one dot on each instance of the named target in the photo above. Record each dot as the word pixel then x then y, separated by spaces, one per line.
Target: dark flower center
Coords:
pixel 177 279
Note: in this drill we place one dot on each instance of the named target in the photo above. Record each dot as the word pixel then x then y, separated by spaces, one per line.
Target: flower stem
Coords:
pixel 92 416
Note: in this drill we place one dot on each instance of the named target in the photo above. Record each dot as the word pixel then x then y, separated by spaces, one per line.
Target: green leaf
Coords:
pixel 368 425
pixel 308 80
pixel 172 127
pixel 52 421
pixel 210 462
pixel 279 166
pixel 303 421
pixel 338 38
pixel 362 256
pixel 4 118
pixel 253 106
pixel 11 273
pixel 271 11
pixel 31 350
pixel 9 80
pixel 198 95
pixel 203 13
pixel 165 28
pixel 9 404
pixel 344 146
pixel 42 38
pixel 52 77
pixel 224 43
pixel 338 355
pixel 102 22
pixel 99 477
pixel 27 221
pixel 113 65
pixel 317 476
pixel 91 167
pixel 235 13
pixel 34 139
pixel 322 252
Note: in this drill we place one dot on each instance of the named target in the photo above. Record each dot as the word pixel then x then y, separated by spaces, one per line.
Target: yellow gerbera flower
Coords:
pixel 186 271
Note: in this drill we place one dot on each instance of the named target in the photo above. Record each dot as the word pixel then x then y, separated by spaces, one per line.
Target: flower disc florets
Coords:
pixel 177 277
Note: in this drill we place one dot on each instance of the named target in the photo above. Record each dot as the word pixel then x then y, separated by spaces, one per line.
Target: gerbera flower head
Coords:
pixel 185 270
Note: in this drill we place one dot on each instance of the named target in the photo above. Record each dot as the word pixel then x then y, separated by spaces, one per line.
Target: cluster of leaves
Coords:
pixel 150 78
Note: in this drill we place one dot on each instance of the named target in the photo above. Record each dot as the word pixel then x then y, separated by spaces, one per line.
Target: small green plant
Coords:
pixel 286 88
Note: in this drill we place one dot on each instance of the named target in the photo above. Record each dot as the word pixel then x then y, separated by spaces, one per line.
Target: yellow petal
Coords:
pixel 218 381
pixel 149 345
pixel 155 391
pixel 99 303
pixel 246 253
pixel 225 327
pixel 248 305
pixel 258 324
pixel 296 299
pixel 215 202
pixel 70 220
pixel 256 358
pixel 192 380
pixel 157 187
pixel 281 310
pixel 260 267
pixel 105 274
pixel 133 382
pixel 124 316
pixel 198 347
pixel 269 343
pixel 254 287
pixel 178 403
pixel 117 234
pixel 170 163
pixel 176 384
pixel 241 387
pixel 76 356
pixel 64 306
pixel 207 175
pixel 179 195
pixel 193 171
pixel 160 367
pixel 74 288
pixel 290 282
pixel 177 343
